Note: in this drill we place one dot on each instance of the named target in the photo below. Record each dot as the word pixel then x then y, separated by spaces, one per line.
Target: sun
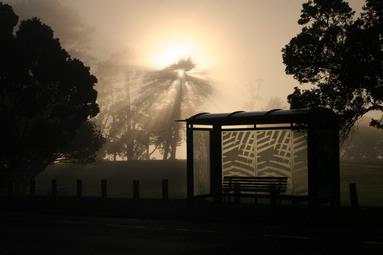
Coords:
pixel 172 53
pixel 181 73
pixel 169 53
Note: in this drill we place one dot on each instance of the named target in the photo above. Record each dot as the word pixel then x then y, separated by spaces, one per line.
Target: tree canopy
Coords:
pixel 45 97
pixel 171 94
pixel 123 125
pixel 342 57
pixel 139 106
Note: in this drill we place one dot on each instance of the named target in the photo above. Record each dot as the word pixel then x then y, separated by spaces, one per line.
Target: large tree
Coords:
pixel 168 95
pixel 123 126
pixel 45 96
pixel 342 57
pixel 84 147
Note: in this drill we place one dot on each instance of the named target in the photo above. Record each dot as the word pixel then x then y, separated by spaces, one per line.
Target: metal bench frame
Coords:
pixel 254 186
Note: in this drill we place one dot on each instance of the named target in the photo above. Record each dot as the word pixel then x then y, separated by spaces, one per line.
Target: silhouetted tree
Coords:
pixel 342 57
pixel 75 35
pixel 85 145
pixel 170 94
pixel 123 126
pixel 45 96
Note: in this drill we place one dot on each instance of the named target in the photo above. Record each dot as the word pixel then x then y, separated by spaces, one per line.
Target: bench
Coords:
pixel 254 186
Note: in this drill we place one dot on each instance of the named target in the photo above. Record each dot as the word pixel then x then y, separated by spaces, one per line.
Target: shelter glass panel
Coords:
pixel 201 163
pixel 267 153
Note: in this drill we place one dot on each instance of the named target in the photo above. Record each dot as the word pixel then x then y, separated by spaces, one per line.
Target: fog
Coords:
pixel 235 45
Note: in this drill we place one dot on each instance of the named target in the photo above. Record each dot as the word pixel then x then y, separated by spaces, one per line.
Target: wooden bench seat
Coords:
pixel 254 186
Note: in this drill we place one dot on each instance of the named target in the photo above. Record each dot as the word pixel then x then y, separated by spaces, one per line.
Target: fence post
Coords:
pixel 165 189
pixel 136 189
pixel 237 191
pixel 32 188
pixel 79 188
pixel 54 188
pixel 103 188
pixel 353 195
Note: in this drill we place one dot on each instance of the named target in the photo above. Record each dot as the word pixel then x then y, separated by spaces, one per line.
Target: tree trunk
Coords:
pixel 128 127
pixel 147 157
pixel 166 151
pixel 173 146
pixel 176 125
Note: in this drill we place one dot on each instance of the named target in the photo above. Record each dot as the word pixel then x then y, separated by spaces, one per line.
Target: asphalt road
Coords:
pixel 54 234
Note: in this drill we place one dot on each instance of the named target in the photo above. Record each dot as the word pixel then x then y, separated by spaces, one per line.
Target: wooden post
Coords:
pixel 353 195
pixel 104 187
pixel 54 188
pixel 79 188
pixel 32 188
pixel 237 192
pixel 165 189
pixel 136 189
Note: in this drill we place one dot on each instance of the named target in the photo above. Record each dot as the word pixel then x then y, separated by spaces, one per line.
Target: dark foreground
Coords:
pixel 175 227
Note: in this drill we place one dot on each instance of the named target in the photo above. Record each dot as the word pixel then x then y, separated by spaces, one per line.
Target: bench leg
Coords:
pixel 237 198
pixel 273 199
pixel 226 197
pixel 256 199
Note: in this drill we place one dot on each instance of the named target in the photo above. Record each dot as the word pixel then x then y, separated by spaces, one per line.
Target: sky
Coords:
pixel 237 44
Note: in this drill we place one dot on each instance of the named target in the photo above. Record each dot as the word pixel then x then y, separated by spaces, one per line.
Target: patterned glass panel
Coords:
pixel 299 185
pixel 201 163
pixel 267 153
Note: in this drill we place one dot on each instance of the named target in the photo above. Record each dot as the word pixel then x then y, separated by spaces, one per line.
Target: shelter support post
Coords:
pixel 323 165
pixel 189 161
pixel 216 162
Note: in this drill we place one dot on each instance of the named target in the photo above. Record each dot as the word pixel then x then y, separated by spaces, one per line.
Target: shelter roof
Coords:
pixel 275 116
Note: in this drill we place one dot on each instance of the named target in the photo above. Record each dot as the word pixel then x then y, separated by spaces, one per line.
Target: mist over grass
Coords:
pixel 119 175
pixel 368 175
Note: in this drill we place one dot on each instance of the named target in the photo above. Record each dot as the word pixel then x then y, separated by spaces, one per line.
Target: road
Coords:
pixel 54 234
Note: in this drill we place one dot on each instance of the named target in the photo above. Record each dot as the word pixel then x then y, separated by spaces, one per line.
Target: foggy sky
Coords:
pixel 243 40
pixel 240 40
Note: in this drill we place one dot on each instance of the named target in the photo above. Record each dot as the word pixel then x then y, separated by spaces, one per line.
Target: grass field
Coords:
pixel 367 175
pixel 119 176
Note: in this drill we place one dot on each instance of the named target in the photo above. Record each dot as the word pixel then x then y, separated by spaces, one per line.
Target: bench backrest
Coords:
pixel 256 183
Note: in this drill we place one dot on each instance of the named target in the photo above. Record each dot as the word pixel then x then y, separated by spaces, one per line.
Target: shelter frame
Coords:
pixel 322 129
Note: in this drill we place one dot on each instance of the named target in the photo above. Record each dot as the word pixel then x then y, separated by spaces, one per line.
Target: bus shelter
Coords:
pixel 301 144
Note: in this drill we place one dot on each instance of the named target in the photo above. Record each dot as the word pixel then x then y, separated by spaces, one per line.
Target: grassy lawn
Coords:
pixel 369 179
pixel 367 175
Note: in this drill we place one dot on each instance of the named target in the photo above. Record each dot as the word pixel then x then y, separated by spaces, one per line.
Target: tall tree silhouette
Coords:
pixel 45 96
pixel 123 126
pixel 342 57
pixel 84 147
pixel 170 94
